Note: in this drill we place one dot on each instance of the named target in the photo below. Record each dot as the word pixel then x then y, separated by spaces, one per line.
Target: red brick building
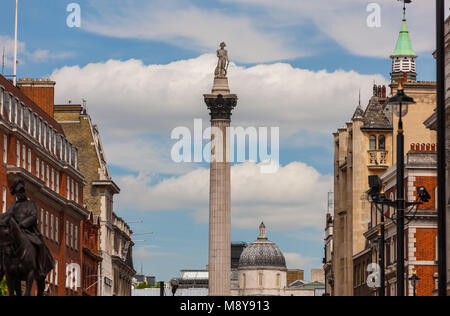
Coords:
pixel 420 230
pixel 91 257
pixel 34 147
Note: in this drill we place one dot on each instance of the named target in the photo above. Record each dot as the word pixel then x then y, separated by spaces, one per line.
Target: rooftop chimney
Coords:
pixel 41 91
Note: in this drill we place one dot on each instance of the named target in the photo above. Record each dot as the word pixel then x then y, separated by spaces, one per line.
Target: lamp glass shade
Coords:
pixel 405 109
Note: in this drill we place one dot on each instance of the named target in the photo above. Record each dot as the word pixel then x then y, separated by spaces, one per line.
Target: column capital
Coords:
pixel 221 106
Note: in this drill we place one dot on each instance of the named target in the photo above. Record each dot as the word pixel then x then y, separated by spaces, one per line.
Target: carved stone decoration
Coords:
pixel 224 61
pixel 220 106
pixel 373 158
pixel 383 158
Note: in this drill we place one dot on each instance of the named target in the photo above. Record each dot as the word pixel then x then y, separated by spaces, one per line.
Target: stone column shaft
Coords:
pixel 219 267
pixel 220 212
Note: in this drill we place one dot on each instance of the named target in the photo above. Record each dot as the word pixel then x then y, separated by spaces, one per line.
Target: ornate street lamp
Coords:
pixel 378 197
pixel 414 279
pixel 400 104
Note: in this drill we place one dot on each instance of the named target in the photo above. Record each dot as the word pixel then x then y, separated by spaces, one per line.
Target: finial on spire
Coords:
pixel 404 7
pixel 262 231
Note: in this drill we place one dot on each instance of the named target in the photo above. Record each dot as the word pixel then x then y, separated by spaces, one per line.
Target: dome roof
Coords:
pixel 262 253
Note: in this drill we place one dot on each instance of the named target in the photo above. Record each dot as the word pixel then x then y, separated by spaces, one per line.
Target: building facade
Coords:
pixel 366 146
pixel 328 256
pixel 115 235
pixel 431 123
pixel 420 230
pixel 122 257
pixel 92 258
pixel 35 148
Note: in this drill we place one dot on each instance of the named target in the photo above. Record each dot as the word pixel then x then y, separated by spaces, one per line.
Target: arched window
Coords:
pixel 382 142
pixel 373 142
pixel 261 284
pixel 244 281
pixel 278 280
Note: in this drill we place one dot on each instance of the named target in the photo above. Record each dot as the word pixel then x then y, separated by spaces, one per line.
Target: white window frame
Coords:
pixel 47 224
pixel 57 182
pixel 76 192
pixel 76 238
pixel 29 160
pixel 47 180
pixel 18 148
pixel 71 235
pixel 68 187
pixel 56 272
pixel 67 234
pixel 4 200
pixel 1 101
pixel 57 229
pixel 52 181
pixel 10 107
pixel 52 227
pixel 42 221
pixel 5 149
pixel 20 110
pixel 38 165
pixel 72 185
pixel 24 157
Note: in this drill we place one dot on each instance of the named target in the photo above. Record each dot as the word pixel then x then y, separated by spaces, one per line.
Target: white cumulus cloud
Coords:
pixel 149 99
pixel 292 198
pixel 264 30
pixel 345 21
pixel 297 261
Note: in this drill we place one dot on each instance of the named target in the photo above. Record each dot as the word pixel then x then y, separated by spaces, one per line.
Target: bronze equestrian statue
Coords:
pixel 23 253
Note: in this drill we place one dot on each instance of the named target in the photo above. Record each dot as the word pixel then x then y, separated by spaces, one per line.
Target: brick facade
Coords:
pixel 420 232
pixel 34 147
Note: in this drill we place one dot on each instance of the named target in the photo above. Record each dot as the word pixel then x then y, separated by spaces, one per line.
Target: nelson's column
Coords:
pixel 220 104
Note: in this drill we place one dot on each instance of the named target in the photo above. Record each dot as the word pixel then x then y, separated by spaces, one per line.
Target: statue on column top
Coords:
pixel 224 61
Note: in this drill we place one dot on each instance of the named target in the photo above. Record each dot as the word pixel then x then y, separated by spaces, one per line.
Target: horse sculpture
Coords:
pixel 19 259
pixel 23 253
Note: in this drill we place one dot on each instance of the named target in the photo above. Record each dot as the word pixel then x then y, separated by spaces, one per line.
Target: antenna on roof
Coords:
pixel 15 46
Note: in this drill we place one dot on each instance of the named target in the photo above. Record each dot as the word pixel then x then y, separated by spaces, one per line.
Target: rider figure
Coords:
pixel 25 213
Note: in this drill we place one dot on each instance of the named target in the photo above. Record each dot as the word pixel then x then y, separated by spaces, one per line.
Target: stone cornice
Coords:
pixel 107 183
pixel 67 204
pixel 117 260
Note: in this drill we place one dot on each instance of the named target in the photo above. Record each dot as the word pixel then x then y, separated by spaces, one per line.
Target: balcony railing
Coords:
pixel 377 159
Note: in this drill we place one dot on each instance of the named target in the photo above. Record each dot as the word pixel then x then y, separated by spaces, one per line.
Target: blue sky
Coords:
pixel 143 67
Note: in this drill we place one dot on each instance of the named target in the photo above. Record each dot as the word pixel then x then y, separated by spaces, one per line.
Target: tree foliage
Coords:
pixel 3 288
pixel 145 285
